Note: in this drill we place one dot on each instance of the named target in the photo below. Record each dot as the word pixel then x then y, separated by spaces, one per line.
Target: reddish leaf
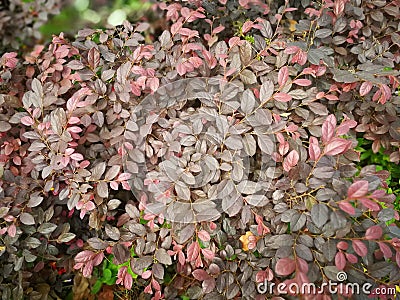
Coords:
pixel 365 88
pixel 314 152
pixel 87 269
pixel 398 258
pixel 347 207
pixel 302 82
pixel 374 233
pixel 387 252
pixel 345 127
pixel 285 266
pixel 193 251
pixel 337 146
pixel 351 258
pixel 358 189
pixel 328 128
pixel 84 256
pixel 200 274
pixel 370 204
pixel 360 248
pixel 282 97
pixel 340 260
pixel 290 160
pixel 342 245
pixel 283 75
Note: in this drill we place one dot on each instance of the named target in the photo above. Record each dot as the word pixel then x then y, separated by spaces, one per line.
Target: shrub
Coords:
pixel 20 21
pixel 239 151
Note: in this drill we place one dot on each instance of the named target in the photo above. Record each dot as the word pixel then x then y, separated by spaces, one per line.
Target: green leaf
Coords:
pixel 97 286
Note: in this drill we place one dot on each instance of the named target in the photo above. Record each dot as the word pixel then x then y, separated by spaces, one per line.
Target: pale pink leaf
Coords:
pixel 290 160
pixel 358 189
pixel 365 88
pixel 282 97
pixel 337 146
pixel 302 82
pixel 28 121
pixel 283 75
pixel 204 235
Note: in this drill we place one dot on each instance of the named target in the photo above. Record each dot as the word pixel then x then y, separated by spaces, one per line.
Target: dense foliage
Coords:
pixel 20 20
pixel 204 154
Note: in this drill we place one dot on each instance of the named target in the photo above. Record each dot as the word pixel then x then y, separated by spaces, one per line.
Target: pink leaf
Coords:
pixel 340 260
pixel 203 235
pixel 291 49
pixel 314 151
pixel 360 248
pixel 153 83
pixel 374 233
pixel 285 266
pixel 345 127
pixel 72 103
pixel 347 207
pixel 337 146
pixel 302 82
pixel 208 254
pixel 12 230
pixel 328 128
pixel 342 245
pixel 124 176
pixel 98 258
pixel 282 97
pixel 247 26
pixel 283 75
pixel 84 256
pixel 193 251
pixel 387 252
pixel 146 274
pixel 331 97
pixel 365 88
pixel 128 281
pixel 218 29
pixel 290 160
pixel 87 269
pixel 351 258
pixel 114 185
pixel 28 121
pixel 358 189
pixel 76 156
pixel 181 69
pixel 370 204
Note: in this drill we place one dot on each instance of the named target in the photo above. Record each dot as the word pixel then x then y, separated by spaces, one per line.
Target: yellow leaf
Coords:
pixel 292 25
pixel 245 240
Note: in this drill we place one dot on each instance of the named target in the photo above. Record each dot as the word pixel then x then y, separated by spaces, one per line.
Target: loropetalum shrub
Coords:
pixel 239 150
